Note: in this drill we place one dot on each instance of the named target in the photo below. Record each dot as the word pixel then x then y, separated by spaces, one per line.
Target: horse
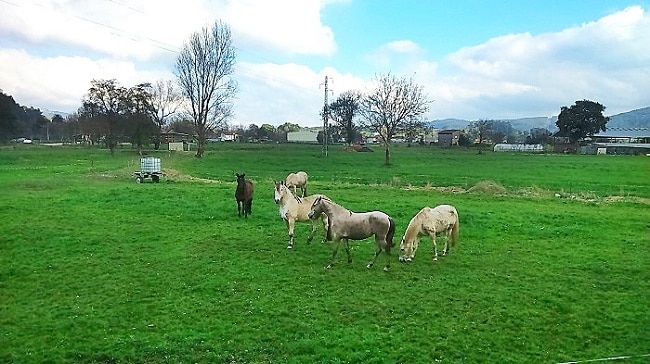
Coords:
pixel 344 224
pixel 440 220
pixel 298 179
pixel 244 195
pixel 294 208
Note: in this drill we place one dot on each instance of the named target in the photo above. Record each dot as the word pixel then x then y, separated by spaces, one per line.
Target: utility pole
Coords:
pixel 325 119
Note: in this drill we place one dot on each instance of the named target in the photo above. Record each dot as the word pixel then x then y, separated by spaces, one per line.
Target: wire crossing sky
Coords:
pixel 498 60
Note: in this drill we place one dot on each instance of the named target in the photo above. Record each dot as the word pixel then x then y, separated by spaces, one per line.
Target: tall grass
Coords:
pixel 97 268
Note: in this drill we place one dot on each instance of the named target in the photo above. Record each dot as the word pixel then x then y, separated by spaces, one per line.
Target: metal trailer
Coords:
pixel 149 168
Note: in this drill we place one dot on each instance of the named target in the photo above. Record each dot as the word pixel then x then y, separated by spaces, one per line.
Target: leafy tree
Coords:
pixel 285 128
pixel 343 111
pixel 581 119
pixel 139 114
pixel 266 132
pixel 100 111
pixel 113 112
pixel 538 136
pixel 204 68
pixel 392 106
pixel 494 131
pixel 184 126
pixel 8 120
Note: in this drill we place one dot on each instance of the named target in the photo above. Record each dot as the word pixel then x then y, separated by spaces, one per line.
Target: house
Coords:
pixel 229 137
pixel 303 136
pixel 618 141
pixel 448 138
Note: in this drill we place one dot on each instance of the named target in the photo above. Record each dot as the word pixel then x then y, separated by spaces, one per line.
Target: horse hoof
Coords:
pixel 435 259
pixel 385 269
pixel 289 246
pixel 369 266
pixel 408 260
pixel 328 266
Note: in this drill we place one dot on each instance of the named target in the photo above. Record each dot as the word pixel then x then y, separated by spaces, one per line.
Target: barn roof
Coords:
pixel 624 133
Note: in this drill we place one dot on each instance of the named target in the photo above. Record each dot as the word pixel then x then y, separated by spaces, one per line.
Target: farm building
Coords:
pixel 528 148
pixel 619 141
pixel 303 136
pixel 448 138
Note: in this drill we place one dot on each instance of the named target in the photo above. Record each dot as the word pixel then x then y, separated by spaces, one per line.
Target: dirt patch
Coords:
pixel 488 188
pixel 357 148
pixel 174 175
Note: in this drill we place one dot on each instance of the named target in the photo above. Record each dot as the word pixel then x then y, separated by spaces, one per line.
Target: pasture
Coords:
pixel 553 262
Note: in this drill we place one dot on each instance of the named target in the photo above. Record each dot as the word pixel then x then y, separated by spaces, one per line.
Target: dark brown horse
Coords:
pixel 244 195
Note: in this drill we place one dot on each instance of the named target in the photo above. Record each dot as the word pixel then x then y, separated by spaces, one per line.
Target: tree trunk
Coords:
pixel 387 162
pixel 200 149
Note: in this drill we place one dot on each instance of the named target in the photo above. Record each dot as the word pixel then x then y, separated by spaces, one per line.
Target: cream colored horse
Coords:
pixel 294 208
pixel 345 224
pixel 441 220
pixel 299 180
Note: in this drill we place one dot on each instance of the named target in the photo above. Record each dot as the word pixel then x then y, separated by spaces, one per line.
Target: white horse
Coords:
pixel 294 208
pixel 345 224
pixel 441 220
pixel 299 180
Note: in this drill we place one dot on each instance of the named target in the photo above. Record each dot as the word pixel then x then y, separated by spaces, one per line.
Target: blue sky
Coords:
pixel 476 59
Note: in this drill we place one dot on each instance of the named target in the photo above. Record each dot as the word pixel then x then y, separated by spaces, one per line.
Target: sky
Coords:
pixel 476 59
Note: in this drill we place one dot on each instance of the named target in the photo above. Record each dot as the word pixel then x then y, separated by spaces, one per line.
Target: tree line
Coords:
pixel 200 103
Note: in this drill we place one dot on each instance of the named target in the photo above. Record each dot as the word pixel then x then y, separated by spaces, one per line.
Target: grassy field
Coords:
pixel 553 263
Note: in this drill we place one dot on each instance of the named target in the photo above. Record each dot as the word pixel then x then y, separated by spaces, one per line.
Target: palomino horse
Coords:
pixel 345 224
pixel 298 179
pixel 294 208
pixel 244 195
pixel 441 220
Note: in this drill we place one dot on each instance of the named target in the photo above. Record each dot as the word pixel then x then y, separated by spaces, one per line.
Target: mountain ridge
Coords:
pixel 638 118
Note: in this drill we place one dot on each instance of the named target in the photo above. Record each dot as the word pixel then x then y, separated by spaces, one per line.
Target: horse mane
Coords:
pixel 413 229
pixel 283 183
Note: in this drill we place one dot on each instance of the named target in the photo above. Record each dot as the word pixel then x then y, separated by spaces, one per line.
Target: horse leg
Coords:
pixel 388 258
pixel 372 261
pixel 435 246
pixel 314 227
pixel 446 248
pixel 334 251
pixel 239 208
pixel 290 225
pixel 347 250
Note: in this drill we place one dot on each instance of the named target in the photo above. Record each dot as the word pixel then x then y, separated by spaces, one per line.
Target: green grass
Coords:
pixel 96 268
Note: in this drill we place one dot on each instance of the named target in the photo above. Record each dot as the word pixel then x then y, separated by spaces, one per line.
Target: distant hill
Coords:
pixel 524 124
pixel 639 118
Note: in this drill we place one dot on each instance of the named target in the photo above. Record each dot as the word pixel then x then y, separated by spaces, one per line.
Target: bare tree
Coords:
pixel 393 106
pixel 343 110
pixel 165 100
pixel 204 68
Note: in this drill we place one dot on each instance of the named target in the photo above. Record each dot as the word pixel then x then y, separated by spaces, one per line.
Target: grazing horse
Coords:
pixel 244 195
pixel 441 220
pixel 298 179
pixel 344 224
pixel 294 208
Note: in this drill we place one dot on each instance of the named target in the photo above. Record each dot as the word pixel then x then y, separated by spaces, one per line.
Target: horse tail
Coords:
pixel 328 236
pixel 455 231
pixel 391 232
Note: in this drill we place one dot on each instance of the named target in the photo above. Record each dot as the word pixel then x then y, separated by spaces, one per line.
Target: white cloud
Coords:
pixel 59 83
pixel 519 75
pixel 291 26
pixel 275 94
pixel 51 50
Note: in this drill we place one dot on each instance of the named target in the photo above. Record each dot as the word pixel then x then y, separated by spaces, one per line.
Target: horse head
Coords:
pixel 279 191
pixel 317 207
pixel 240 177
pixel 407 249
